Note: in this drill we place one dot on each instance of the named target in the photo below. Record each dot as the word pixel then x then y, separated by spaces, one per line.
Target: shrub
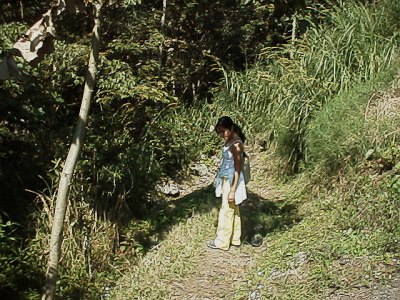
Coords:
pixel 292 83
pixel 340 132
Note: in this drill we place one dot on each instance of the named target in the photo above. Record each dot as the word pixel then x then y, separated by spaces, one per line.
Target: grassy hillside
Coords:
pixel 326 115
pixel 349 200
pixel 330 230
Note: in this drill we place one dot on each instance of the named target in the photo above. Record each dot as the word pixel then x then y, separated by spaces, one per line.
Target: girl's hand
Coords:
pixel 231 197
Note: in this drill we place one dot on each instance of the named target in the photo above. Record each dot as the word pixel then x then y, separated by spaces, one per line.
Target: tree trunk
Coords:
pixel 71 161
pixel 294 29
pixel 21 9
pixel 161 54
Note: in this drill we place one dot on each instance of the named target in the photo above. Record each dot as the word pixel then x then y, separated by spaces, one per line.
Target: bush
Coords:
pixel 340 133
pixel 292 83
pixel 19 272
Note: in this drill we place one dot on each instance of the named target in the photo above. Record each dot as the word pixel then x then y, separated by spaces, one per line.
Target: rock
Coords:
pixel 369 155
pixel 257 240
pixel 169 189
pixel 200 169
pixel 299 259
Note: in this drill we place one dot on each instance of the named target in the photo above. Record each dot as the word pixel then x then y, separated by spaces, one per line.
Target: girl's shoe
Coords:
pixel 211 244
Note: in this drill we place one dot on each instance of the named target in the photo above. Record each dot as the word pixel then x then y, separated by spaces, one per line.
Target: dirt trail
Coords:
pixel 218 274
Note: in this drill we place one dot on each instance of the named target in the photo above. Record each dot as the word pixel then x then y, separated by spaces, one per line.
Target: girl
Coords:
pixel 229 184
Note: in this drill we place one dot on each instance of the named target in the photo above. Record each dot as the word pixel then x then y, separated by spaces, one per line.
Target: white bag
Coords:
pixel 246 168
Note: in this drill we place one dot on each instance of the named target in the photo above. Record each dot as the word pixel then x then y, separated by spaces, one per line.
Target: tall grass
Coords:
pixel 280 95
pixel 344 130
pixel 90 247
pixel 338 110
pixel 277 100
pixel 115 219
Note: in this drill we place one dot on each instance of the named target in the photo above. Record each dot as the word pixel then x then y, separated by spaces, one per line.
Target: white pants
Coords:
pixel 229 226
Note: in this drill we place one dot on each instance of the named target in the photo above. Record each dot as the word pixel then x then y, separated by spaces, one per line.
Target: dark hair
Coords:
pixel 227 123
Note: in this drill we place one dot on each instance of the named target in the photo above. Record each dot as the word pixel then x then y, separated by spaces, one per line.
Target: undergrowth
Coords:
pixel 350 218
pixel 315 104
pixel 348 237
pixel 289 85
pixel 346 127
pixel 348 199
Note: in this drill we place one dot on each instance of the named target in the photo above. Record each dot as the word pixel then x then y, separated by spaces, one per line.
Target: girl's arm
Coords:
pixel 237 150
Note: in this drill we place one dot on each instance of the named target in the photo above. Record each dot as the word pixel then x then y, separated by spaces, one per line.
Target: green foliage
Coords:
pixel 294 82
pixel 19 274
pixel 65 67
pixel 27 12
pixel 9 250
pixel 10 33
pixel 117 82
pixel 152 113
pixel 182 136
pixel 340 133
pixel 131 2
pixel 379 193
pixel 348 232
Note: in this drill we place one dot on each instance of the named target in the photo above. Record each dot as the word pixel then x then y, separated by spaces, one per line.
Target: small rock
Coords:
pixel 200 170
pixel 369 154
pixel 275 273
pixel 169 189
pixel 299 259
pixel 255 295
pixel 256 241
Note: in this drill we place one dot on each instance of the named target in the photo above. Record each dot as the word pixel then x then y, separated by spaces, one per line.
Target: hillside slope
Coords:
pixel 182 267
pixel 326 236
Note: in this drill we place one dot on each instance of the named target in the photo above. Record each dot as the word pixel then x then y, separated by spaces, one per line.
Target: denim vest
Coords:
pixel 227 168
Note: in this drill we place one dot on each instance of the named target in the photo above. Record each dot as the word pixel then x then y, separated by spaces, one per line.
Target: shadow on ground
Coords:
pixel 260 216
pixel 173 211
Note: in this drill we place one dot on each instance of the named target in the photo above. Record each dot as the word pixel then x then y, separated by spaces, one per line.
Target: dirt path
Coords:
pixel 218 274
pixel 390 291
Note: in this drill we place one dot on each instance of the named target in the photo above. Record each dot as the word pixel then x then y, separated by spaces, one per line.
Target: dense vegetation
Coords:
pixel 307 97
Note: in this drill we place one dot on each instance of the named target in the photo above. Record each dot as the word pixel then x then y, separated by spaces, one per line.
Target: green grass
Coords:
pixel 348 232
pixel 340 133
pixel 280 96
pixel 175 256
pixel 345 241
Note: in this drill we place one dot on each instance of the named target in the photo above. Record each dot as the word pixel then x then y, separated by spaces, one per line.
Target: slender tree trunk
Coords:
pixel 164 12
pixel 71 161
pixel 21 9
pixel 294 29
